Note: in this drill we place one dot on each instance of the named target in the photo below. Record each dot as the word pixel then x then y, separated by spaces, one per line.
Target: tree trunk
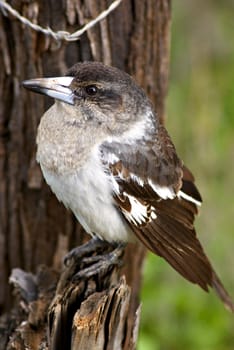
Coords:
pixel 36 231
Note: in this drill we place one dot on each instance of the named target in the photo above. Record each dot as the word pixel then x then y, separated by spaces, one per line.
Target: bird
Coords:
pixel 106 155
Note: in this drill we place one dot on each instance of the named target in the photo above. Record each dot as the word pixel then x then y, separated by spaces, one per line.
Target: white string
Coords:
pixel 59 35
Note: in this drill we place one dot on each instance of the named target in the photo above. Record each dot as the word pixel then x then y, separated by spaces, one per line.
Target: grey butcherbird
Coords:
pixel 106 156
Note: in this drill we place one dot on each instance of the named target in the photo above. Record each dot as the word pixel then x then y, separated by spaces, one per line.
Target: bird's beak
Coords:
pixel 57 88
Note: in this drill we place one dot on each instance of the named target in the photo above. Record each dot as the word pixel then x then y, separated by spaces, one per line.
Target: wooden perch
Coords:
pixel 88 314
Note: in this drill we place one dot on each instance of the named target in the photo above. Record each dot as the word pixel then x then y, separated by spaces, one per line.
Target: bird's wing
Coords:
pixel 159 202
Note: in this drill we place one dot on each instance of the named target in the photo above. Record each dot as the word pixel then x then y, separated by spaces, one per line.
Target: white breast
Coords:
pixel 88 193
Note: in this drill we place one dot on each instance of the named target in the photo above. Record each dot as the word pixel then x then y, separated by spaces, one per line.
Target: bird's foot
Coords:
pixel 94 245
pixel 96 257
pixel 100 264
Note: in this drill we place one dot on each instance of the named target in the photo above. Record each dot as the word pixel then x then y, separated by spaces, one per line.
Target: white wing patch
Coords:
pixel 112 158
pixel 115 184
pixel 183 195
pixel 139 213
pixel 137 179
pixel 163 191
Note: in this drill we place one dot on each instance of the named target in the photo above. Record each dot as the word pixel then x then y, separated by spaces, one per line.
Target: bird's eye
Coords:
pixel 91 90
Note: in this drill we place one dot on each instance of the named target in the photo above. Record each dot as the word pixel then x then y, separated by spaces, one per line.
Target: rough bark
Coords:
pixel 35 230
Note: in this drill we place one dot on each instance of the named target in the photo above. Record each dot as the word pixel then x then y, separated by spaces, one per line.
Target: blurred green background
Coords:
pixel 200 108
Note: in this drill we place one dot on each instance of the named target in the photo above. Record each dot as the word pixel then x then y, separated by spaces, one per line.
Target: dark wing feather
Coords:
pixel 188 185
pixel 167 226
pixel 149 159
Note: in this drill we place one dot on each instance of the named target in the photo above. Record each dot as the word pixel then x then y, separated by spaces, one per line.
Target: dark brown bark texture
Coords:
pixel 36 231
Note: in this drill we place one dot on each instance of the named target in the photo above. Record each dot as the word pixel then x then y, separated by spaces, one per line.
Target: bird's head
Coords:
pixel 92 92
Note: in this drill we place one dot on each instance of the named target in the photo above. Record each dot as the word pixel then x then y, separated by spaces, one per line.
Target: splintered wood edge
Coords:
pixel 102 318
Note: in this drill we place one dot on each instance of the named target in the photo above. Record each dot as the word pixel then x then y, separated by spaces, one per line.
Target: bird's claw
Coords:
pixel 100 264
pixel 78 253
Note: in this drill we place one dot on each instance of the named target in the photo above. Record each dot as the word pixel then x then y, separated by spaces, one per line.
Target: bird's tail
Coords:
pixel 222 293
